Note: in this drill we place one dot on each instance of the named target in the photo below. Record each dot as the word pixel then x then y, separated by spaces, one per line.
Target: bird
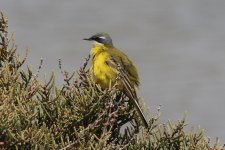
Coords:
pixel 107 62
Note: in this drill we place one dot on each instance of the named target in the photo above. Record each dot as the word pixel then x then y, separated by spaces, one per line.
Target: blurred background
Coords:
pixel 177 46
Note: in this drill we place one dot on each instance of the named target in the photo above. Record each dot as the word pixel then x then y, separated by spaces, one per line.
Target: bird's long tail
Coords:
pixel 132 95
pixel 129 89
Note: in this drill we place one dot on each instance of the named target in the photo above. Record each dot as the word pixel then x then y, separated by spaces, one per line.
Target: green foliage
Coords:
pixel 78 115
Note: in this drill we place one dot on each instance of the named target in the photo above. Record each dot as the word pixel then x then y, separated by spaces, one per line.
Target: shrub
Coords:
pixel 78 115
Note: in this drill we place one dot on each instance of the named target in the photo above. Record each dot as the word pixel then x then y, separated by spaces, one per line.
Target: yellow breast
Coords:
pixel 102 73
pixel 105 74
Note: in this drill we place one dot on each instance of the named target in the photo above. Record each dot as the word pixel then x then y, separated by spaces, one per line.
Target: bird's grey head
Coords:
pixel 102 38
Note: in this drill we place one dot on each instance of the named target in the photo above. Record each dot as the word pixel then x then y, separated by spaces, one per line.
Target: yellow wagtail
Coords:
pixel 107 62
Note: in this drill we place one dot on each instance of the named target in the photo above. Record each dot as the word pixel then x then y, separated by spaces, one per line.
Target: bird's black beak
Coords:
pixel 88 39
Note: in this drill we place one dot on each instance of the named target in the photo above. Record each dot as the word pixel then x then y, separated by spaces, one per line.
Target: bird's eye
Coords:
pixel 99 40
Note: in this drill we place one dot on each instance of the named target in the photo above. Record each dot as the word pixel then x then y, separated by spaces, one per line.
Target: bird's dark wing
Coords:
pixel 123 76
pixel 126 65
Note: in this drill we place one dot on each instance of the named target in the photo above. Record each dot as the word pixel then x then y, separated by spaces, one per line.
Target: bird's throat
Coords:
pixel 97 49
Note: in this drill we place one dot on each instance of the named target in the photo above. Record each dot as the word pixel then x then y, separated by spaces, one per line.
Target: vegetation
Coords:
pixel 78 115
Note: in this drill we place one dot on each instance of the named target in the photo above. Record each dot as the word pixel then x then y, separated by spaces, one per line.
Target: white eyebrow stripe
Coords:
pixel 102 37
